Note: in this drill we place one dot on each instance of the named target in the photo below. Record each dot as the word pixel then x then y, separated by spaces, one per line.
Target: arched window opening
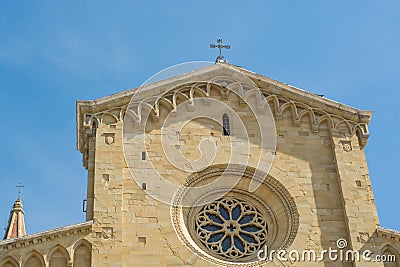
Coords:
pixel 33 261
pixel 225 125
pixel 390 257
pixel 9 262
pixel 58 259
pixel 94 127
pixel 82 256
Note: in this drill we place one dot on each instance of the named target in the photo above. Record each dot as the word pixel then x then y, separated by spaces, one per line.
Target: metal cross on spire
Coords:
pixel 220 58
pixel 20 186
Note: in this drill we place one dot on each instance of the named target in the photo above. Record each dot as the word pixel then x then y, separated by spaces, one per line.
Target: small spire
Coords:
pixel 16 222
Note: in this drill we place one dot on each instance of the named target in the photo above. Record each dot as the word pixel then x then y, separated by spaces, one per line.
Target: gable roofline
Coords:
pixel 269 86
pixel 320 101
pixel 388 232
pixel 288 91
pixel 49 234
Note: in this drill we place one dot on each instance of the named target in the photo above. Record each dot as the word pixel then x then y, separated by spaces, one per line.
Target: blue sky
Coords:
pixel 53 53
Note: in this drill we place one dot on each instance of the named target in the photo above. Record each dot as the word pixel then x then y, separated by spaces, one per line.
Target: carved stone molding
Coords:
pixel 346 145
pixel 278 104
pixel 54 234
pixel 342 120
pixel 290 216
pixel 108 233
pixel 109 138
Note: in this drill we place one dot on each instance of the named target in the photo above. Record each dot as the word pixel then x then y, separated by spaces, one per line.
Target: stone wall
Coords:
pixel 319 165
pixel 328 182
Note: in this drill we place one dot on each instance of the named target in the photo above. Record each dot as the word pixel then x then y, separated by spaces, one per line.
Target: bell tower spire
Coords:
pixel 16 223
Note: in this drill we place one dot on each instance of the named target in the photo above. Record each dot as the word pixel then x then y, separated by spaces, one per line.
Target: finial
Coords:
pixel 220 58
pixel 20 186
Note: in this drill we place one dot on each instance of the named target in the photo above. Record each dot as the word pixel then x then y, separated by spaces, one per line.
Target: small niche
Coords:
pixel 106 177
pixel 142 239
pixel 328 187
pixel 143 155
pixel 358 183
pixel 144 186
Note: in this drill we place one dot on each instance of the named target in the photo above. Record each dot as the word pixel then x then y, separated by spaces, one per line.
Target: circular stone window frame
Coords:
pixel 184 230
pixel 240 195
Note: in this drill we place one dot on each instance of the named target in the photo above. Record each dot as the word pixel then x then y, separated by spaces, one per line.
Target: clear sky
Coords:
pixel 53 53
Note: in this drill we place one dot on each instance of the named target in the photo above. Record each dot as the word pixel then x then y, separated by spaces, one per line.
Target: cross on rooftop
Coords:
pixel 220 58
pixel 20 186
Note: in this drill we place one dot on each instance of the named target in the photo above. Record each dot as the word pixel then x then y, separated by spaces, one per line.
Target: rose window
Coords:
pixel 231 228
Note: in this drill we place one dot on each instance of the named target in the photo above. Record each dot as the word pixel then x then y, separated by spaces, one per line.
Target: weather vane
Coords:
pixel 20 186
pixel 220 58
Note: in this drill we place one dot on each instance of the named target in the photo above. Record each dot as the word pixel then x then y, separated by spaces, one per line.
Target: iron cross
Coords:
pixel 220 58
pixel 20 186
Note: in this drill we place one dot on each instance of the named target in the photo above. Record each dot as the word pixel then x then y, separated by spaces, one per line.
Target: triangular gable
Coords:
pixel 280 96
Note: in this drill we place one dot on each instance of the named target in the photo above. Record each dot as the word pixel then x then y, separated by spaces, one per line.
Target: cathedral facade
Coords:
pixel 217 167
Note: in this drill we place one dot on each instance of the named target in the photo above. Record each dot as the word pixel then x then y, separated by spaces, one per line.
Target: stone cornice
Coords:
pixel 41 237
pixel 281 96
pixel 388 233
pixel 278 88
pixel 299 95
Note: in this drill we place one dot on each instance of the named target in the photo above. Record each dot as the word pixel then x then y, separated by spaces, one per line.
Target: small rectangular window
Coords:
pixel 144 155
pixel 144 186
pixel 225 125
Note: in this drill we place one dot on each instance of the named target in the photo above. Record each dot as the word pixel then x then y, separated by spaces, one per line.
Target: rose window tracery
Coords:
pixel 231 228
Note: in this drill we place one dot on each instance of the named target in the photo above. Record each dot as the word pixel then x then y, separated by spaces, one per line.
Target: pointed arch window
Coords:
pixel 226 125
pixel 94 127
pixel 391 257
pixel 9 262
pixel 82 255
pixel 34 260
pixel 58 259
